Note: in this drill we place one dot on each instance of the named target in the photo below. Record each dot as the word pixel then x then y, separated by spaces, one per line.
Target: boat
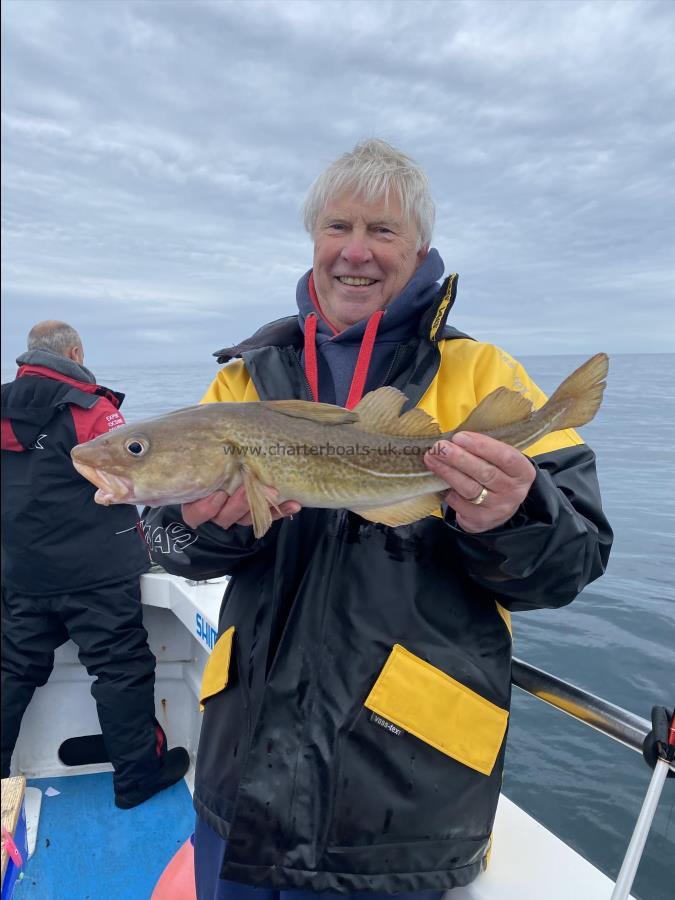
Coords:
pixel 81 847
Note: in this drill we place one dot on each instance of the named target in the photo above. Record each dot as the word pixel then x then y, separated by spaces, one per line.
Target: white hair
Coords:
pixel 375 169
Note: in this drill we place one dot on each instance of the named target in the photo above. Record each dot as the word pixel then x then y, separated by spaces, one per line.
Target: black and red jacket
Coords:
pixel 55 538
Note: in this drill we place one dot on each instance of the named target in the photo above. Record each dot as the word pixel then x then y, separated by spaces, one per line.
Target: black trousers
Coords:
pixel 106 624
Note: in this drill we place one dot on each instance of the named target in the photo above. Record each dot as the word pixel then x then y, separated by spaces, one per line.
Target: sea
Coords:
pixel 616 640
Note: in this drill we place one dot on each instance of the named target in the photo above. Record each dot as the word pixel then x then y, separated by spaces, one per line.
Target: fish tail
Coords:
pixel 578 398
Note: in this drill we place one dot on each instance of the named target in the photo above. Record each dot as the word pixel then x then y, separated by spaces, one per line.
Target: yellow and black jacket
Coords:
pixel 356 702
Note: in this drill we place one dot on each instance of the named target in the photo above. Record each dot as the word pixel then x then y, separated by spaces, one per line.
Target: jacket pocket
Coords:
pixel 217 668
pixel 438 710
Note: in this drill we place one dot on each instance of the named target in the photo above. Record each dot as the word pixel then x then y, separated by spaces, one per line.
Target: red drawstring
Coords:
pixel 317 306
pixel 363 360
pixel 311 364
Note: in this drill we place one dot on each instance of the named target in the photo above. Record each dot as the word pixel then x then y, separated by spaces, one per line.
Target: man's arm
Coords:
pixel 207 538
pixel 540 536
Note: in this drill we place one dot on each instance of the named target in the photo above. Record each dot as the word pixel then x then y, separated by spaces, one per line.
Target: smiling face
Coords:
pixel 364 255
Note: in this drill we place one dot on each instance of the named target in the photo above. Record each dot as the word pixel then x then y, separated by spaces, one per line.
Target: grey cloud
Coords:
pixel 155 157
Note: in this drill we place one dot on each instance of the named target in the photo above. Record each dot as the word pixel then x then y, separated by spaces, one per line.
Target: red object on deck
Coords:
pixel 177 881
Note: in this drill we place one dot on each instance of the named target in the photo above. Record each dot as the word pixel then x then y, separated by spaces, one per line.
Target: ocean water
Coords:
pixel 617 639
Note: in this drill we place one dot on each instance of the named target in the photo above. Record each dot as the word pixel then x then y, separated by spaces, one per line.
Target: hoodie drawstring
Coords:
pixel 311 364
pixel 362 363
pixel 363 360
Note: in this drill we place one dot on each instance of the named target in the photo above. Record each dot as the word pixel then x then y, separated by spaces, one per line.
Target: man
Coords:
pixel 356 701
pixel 72 568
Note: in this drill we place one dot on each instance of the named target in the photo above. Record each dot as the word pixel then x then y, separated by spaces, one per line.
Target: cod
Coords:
pixel 369 460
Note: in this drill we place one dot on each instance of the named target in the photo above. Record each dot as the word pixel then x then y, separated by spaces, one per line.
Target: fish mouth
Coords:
pixel 111 488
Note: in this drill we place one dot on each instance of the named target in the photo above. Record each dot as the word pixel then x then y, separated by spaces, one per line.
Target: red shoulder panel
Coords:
pixel 9 439
pixel 100 419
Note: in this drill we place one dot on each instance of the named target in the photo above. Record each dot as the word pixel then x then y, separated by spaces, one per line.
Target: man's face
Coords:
pixel 364 255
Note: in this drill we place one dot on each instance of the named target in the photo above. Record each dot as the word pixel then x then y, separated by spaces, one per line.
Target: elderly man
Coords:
pixel 356 701
pixel 71 568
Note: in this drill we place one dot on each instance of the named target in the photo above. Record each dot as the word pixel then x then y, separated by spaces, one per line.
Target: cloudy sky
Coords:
pixel 156 154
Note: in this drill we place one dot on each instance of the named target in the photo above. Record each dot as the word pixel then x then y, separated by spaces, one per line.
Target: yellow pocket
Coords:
pixel 434 707
pixel 217 667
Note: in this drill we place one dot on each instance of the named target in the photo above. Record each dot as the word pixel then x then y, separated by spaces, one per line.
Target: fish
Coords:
pixel 369 460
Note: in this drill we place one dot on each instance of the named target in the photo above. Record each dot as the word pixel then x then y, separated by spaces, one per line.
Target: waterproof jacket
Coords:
pixel 55 538
pixel 356 700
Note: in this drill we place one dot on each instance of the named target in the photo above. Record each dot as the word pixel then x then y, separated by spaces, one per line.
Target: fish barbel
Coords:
pixel 369 460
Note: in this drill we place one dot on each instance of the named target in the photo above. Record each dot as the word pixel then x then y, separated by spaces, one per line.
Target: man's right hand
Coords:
pixel 227 510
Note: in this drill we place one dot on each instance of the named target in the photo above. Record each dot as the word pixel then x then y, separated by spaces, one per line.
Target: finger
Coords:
pixel 492 513
pixel 460 470
pixel 500 455
pixel 200 511
pixel 288 508
pixel 235 508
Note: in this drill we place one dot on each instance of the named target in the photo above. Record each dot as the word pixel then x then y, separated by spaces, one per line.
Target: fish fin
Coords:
pixel 578 398
pixel 379 412
pixel 501 407
pixel 259 497
pixel 404 512
pixel 325 413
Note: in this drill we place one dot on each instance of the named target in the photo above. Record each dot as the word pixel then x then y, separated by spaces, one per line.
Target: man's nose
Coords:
pixel 357 251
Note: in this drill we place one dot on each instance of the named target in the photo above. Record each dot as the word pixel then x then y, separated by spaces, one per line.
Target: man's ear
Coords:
pixel 422 254
pixel 76 354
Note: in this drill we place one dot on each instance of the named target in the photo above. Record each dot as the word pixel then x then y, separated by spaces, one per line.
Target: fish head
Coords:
pixel 161 461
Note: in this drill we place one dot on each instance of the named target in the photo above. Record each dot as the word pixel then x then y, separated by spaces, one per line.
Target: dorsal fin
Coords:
pixel 325 413
pixel 379 412
pixel 501 407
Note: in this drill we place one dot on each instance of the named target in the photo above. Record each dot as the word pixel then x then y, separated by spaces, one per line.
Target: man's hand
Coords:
pixel 227 510
pixel 470 462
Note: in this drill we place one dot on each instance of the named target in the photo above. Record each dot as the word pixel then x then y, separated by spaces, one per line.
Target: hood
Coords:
pixel 56 363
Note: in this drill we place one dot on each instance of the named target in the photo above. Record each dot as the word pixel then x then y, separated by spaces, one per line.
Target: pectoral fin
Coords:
pixel 259 496
pixel 402 513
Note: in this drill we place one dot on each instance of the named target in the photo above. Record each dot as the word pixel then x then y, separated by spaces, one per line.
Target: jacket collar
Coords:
pixel 57 363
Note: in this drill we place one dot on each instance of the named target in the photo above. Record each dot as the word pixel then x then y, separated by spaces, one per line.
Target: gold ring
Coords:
pixel 480 498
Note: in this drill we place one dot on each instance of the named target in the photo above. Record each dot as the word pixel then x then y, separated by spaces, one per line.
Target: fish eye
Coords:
pixel 136 447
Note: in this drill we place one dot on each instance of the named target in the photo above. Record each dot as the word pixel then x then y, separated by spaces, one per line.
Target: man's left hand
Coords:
pixel 472 462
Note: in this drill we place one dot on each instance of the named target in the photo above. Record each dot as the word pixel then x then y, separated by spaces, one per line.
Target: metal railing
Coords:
pixel 617 723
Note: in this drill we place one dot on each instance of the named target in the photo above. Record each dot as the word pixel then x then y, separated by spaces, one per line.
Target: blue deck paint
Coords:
pixel 87 849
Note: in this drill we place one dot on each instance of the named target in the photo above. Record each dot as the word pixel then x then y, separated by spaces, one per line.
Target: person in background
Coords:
pixel 71 568
pixel 357 699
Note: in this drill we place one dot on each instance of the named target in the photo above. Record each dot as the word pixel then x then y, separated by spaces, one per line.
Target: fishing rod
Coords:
pixel 661 741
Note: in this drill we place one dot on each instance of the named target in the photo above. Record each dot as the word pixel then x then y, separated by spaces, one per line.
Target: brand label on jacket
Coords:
pixel 386 724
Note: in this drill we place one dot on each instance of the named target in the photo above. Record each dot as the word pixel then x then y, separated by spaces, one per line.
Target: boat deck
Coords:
pixel 89 850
